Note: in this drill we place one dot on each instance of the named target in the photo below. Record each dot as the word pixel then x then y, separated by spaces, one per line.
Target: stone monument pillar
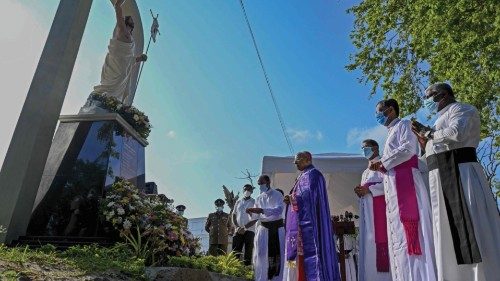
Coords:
pixel 61 177
pixel 30 144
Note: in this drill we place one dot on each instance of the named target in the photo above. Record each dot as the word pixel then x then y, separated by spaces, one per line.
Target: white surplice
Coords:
pixel 458 126
pixel 272 204
pixel 367 266
pixel 401 146
pixel 350 244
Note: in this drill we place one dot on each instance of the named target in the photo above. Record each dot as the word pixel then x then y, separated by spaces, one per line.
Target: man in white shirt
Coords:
pixel 464 213
pixel 245 224
pixel 268 256
pixel 373 241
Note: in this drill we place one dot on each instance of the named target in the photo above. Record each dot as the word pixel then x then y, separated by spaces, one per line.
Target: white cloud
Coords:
pixel 303 136
pixel 319 135
pixel 356 135
pixel 171 134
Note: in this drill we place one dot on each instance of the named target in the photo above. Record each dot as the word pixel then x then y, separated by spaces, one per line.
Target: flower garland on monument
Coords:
pixel 136 118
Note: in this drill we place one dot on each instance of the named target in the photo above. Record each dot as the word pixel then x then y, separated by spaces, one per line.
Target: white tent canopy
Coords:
pixel 342 173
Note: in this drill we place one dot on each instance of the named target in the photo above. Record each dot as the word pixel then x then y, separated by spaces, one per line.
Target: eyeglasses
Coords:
pixel 436 96
pixel 383 111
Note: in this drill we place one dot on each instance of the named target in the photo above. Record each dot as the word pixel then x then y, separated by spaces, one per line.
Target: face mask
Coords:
pixel 263 188
pixel 381 119
pixel 180 213
pixel 432 105
pixel 367 152
pixel 219 209
pixel 247 193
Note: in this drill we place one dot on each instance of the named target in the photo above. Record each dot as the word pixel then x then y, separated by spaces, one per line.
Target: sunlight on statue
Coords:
pixel 120 60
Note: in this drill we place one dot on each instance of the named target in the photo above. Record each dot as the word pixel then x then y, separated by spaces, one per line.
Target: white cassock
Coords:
pixel 272 204
pixel 367 249
pixel 401 146
pixel 458 127
pixel 350 244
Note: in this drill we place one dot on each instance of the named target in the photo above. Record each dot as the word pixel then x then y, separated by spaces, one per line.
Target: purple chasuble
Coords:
pixel 314 221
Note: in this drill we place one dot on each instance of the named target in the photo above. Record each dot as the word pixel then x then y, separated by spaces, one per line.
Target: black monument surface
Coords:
pixel 88 153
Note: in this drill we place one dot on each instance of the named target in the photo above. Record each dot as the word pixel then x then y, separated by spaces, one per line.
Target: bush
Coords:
pixel 147 224
pixel 228 264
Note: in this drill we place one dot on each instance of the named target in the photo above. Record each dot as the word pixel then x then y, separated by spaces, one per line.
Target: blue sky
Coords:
pixel 203 88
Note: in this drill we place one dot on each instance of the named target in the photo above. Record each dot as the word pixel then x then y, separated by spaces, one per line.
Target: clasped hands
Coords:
pixel 361 190
pixel 377 166
pixel 255 211
pixel 240 230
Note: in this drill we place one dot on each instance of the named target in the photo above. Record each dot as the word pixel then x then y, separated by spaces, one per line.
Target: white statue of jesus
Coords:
pixel 121 59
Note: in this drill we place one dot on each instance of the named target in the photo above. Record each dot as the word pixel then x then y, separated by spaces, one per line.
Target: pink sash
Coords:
pixel 407 201
pixel 380 223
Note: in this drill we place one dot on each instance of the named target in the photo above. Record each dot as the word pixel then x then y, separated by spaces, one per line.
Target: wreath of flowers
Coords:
pixel 136 118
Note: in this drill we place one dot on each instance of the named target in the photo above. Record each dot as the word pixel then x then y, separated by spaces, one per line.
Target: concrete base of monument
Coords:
pixel 88 152
pixel 186 274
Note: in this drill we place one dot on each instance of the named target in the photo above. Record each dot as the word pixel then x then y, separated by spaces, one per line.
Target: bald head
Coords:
pixel 302 160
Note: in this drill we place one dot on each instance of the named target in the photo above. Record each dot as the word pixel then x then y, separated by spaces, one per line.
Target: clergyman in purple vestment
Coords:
pixel 310 247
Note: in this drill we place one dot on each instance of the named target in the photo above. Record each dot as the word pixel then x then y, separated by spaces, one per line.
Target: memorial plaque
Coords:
pixel 78 173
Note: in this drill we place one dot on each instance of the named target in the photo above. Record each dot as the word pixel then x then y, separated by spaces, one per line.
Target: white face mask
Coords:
pixel 180 213
pixel 247 193
pixel 263 187
pixel 219 209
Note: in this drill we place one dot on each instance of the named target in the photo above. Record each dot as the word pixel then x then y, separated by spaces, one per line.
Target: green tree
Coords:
pixel 403 46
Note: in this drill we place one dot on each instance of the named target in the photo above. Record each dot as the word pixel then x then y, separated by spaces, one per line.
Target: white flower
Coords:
pixel 111 204
pixel 120 211
pixel 136 117
pixel 127 224
pixel 131 208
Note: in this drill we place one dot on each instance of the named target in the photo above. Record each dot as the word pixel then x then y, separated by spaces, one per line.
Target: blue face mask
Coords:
pixel 381 119
pixel 263 188
pixel 431 105
pixel 367 152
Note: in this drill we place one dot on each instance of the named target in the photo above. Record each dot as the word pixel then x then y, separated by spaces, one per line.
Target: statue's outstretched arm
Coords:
pixel 120 20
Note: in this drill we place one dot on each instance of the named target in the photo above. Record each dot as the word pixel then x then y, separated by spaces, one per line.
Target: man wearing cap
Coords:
pixel 218 225
pixel 180 211
pixel 466 224
pixel 245 224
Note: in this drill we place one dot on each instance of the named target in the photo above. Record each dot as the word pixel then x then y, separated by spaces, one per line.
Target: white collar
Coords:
pixel 393 122
pixel 443 111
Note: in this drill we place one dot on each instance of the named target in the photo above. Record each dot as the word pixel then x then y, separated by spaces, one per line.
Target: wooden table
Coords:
pixel 342 228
